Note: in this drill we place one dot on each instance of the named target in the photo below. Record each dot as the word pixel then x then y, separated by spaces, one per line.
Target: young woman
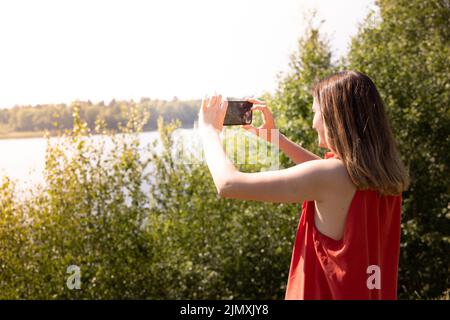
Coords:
pixel 348 238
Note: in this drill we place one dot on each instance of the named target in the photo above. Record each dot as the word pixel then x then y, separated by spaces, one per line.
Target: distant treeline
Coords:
pixel 54 117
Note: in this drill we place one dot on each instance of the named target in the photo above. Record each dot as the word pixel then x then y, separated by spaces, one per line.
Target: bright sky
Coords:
pixel 58 51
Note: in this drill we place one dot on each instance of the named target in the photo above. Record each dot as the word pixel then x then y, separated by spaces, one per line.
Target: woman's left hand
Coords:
pixel 212 112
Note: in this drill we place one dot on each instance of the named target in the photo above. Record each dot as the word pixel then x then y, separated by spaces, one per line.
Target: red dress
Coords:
pixel 362 265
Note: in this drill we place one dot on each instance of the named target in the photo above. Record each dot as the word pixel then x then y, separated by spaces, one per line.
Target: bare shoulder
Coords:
pixel 338 182
pixel 333 168
pixel 323 179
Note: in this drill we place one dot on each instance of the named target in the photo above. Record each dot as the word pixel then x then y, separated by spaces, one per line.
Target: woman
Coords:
pixel 348 238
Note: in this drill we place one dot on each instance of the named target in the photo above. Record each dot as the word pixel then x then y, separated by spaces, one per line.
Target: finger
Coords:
pixel 253 100
pixel 259 107
pixel 219 101
pixel 207 101
pixel 204 102
pixel 212 101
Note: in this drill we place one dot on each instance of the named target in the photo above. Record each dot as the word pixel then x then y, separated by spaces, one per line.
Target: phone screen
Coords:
pixel 238 113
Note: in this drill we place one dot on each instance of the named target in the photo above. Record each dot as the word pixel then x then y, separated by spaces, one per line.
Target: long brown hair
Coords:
pixel 358 132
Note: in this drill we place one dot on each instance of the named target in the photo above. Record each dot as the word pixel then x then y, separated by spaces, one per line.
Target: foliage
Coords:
pixel 140 222
pixel 293 101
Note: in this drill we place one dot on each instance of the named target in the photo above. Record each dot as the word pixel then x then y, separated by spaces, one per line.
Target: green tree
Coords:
pixel 293 100
pixel 140 223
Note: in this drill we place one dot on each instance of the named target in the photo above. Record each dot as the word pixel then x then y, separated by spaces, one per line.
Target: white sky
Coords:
pixel 58 51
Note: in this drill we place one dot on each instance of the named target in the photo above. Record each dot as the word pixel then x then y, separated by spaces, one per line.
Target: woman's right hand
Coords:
pixel 263 131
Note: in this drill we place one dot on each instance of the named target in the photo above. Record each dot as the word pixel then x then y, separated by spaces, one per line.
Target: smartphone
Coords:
pixel 238 112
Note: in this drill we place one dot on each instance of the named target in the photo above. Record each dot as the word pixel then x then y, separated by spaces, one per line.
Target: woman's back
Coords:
pixel 331 213
pixel 362 264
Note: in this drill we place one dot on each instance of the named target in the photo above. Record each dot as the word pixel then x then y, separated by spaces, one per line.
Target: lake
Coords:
pixel 23 160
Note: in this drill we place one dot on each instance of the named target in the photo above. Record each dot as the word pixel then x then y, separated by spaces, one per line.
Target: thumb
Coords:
pixel 259 107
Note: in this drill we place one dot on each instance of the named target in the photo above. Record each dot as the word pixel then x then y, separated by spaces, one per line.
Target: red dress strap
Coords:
pixel 330 154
